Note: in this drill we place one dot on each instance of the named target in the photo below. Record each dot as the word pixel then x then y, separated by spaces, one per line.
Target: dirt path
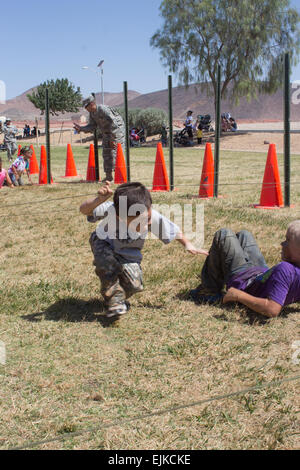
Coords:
pixel 257 142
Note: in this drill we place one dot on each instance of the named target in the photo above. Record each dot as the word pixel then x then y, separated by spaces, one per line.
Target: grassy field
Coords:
pixel 69 369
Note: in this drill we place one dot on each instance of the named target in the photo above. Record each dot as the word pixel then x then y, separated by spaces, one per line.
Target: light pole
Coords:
pixel 100 65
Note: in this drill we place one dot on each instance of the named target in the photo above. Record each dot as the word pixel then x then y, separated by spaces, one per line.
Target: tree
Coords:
pixel 247 38
pixel 62 97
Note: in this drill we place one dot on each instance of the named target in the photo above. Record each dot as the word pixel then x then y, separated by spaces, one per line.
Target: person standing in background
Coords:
pixel 10 140
pixel 189 125
pixel 111 125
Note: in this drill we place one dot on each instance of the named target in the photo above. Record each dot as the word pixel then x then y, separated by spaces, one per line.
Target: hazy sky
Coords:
pixel 42 40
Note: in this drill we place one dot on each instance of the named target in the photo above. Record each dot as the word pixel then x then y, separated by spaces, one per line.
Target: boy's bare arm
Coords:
pixel 29 177
pixel 104 193
pixel 266 307
pixel 189 246
pixel 15 172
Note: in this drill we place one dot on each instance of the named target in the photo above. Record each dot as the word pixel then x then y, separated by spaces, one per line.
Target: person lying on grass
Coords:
pixel 236 260
pixel 119 239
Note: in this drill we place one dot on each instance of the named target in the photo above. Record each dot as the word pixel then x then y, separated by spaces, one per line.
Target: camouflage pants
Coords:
pixel 109 154
pixel 119 280
pixel 11 150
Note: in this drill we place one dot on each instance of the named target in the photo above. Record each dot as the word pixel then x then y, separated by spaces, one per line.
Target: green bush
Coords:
pixel 151 119
pixel 132 115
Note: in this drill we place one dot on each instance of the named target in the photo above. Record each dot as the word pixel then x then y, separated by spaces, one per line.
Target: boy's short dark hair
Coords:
pixel 136 193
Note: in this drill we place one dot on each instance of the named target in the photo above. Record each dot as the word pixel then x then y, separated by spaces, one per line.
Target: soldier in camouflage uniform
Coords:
pixel 117 245
pixel 10 140
pixel 112 127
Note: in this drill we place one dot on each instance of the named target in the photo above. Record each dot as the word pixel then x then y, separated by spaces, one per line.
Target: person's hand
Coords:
pixel 195 251
pixel 230 296
pixel 105 190
pixel 76 127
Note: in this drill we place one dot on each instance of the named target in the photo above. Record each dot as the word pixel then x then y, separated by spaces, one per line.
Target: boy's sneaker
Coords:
pixel 205 296
pixel 119 309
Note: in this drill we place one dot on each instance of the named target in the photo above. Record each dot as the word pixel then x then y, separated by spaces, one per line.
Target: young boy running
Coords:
pixel 236 260
pixel 119 239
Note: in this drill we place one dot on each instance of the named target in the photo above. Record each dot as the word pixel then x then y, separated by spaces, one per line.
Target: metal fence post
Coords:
pixel 97 174
pixel 171 142
pixel 287 143
pixel 127 130
pixel 217 133
pixel 47 137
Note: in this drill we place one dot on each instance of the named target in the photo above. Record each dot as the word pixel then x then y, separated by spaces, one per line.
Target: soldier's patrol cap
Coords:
pixel 90 99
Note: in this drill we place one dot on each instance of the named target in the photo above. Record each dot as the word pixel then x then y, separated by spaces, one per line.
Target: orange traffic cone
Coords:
pixel 91 169
pixel 120 168
pixel 271 194
pixel 19 150
pixel 206 189
pixel 160 177
pixel 70 163
pixel 43 167
pixel 33 164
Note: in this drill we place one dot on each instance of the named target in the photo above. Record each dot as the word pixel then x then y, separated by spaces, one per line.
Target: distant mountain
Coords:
pixel 21 109
pixel 264 108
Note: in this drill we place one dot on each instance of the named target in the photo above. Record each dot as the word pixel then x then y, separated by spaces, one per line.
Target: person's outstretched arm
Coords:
pixel 104 193
pixel 167 231
pixel 266 307
pixel 189 246
pixel 90 127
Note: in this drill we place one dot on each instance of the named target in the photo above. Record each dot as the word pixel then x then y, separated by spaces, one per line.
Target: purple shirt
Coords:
pixel 280 283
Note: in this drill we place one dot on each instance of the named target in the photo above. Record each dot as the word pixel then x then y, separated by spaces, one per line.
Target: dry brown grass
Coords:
pixel 69 369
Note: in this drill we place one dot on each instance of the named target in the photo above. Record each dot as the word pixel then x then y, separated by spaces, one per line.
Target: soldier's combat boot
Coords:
pixel 108 177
